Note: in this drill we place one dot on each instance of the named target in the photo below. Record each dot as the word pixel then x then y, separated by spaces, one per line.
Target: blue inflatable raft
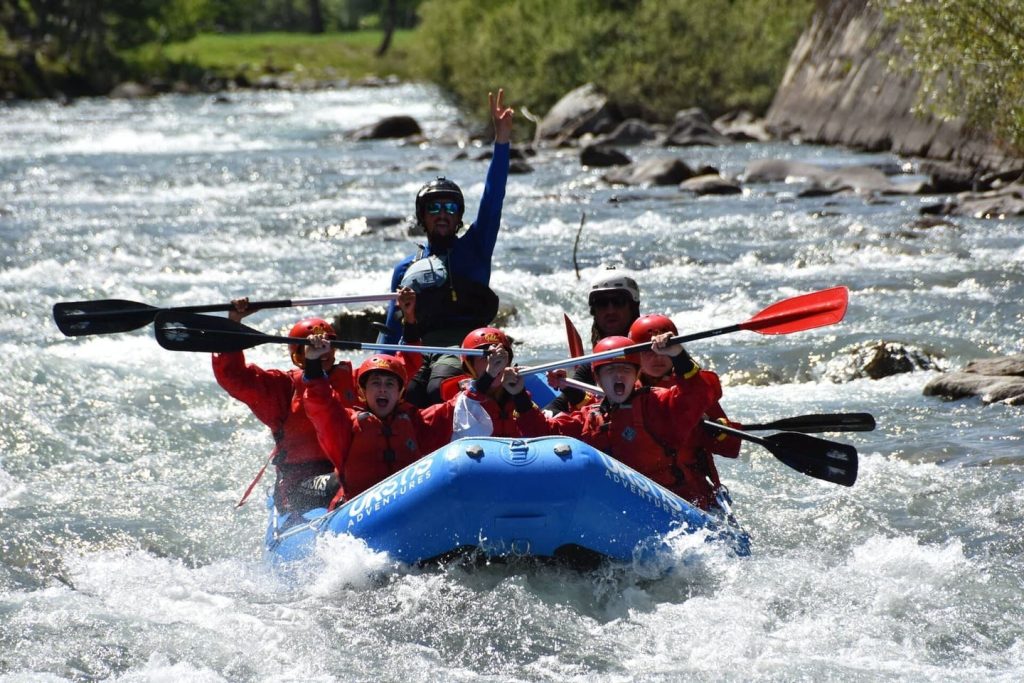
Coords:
pixel 550 497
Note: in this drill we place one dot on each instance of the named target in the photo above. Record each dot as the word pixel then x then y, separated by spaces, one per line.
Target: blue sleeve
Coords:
pixel 391 319
pixel 473 251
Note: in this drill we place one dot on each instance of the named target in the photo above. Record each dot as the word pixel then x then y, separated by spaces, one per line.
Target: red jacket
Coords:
pixel 653 433
pixel 275 398
pixel 499 405
pixel 366 449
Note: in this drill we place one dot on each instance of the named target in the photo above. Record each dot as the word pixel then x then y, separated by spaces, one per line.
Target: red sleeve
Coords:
pixel 413 361
pixel 433 426
pixel 681 408
pixel 535 423
pixel 719 443
pixel 331 419
pixel 268 393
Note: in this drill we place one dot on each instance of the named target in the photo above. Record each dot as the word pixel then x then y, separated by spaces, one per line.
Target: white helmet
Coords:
pixel 615 283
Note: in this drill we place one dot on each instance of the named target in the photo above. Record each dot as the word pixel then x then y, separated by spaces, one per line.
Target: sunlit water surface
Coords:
pixel 121 556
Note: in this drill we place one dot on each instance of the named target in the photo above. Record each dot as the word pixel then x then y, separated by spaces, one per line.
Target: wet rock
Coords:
pixel 583 110
pixel 519 166
pixel 875 360
pixel 742 126
pixel 826 181
pixel 650 172
pixel 992 379
pixel 601 156
pixel 949 177
pixel 130 90
pixel 388 128
pixel 710 184
pixel 629 132
pixel 361 325
pixel 693 127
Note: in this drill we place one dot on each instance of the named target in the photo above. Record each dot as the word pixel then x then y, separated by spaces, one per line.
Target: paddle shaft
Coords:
pixel 260 338
pixel 151 311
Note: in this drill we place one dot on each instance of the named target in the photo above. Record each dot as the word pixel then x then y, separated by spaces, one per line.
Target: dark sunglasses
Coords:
pixel 606 301
pixel 451 208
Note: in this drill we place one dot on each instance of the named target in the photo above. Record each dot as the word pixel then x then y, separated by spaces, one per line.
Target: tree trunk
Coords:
pixel 316 17
pixel 390 18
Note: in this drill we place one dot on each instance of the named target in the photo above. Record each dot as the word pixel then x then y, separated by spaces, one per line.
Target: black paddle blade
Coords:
pixel 180 331
pixel 105 316
pixel 811 424
pixel 818 458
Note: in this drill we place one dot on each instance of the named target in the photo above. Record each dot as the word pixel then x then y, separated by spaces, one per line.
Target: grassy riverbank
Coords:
pixel 324 57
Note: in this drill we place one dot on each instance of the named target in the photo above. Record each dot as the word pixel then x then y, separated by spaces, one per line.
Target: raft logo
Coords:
pixel 389 490
pixel 640 485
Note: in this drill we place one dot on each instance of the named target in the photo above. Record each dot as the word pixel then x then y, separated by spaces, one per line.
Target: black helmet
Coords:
pixel 438 188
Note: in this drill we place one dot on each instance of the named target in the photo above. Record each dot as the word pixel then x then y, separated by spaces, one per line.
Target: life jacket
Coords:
pixel 445 301
pixel 295 440
pixel 622 432
pixel 502 413
pixel 379 448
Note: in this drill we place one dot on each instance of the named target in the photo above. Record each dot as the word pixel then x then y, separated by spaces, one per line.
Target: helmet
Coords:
pixel 645 327
pixel 382 363
pixel 305 328
pixel 610 343
pixel 615 283
pixel 485 336
pixel 438 188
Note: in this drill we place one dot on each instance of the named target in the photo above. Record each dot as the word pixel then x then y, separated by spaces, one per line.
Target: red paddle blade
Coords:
pixel 804 312
pixel 573 336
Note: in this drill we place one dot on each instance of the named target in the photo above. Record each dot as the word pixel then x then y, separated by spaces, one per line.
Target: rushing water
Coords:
pixel 121 555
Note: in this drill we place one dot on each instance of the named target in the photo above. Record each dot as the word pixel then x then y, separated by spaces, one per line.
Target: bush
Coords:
pixel 654 55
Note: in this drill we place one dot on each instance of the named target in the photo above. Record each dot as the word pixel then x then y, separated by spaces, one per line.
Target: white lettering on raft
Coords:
pixel 640 486
pixel 389 490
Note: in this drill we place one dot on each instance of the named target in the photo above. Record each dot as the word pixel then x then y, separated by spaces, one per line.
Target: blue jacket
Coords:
pixel 470 256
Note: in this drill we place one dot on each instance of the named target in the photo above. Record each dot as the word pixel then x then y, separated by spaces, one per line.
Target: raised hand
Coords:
pixel 497 360
pixel 318 347
pixel 241 309
pixel 407 303
pixel 501 116
pixel 512 381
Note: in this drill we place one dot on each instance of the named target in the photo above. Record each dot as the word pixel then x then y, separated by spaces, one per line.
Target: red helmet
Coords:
pixel 382 363
pixel 645 327
pixel 305 328
pixel 486 336
pixel 611 343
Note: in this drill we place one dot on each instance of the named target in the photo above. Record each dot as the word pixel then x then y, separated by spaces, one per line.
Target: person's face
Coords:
pixel 655 365
pixel 441 219
pixel 382 391
pixel 612 313
pixel 617 381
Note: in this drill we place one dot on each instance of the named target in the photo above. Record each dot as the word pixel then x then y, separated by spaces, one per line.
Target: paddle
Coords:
pixel 798 313
pixel 183 331
pixel 573 337
pixel 819 458
pixel 832 422
pixel 106 316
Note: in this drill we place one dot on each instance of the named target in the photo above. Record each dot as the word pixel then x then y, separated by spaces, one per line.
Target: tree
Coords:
pixel 970 58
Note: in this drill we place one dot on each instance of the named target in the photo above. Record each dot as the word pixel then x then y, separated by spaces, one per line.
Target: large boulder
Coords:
pixel 693 127
pixel 1004 202
pixel 580 111
pixel 389 127
pixel 992 379
pixel 875 360
pixel 600 156
pixel 650 172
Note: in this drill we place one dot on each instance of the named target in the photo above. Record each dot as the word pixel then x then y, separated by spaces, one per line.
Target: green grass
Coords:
pixel 315 57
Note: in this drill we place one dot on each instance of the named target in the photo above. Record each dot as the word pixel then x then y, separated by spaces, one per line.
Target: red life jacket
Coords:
pixel 378 448
pixel 623 433
pixel 295 439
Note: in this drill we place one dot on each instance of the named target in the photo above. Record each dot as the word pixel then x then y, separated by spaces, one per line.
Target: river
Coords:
pixel 122 556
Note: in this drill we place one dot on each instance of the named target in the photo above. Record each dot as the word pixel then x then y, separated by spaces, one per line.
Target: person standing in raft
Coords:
pixel 656 370
pixel 451 274
pixel 383 434
pixel 647 428
pixel 305 475
pixel 614 304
